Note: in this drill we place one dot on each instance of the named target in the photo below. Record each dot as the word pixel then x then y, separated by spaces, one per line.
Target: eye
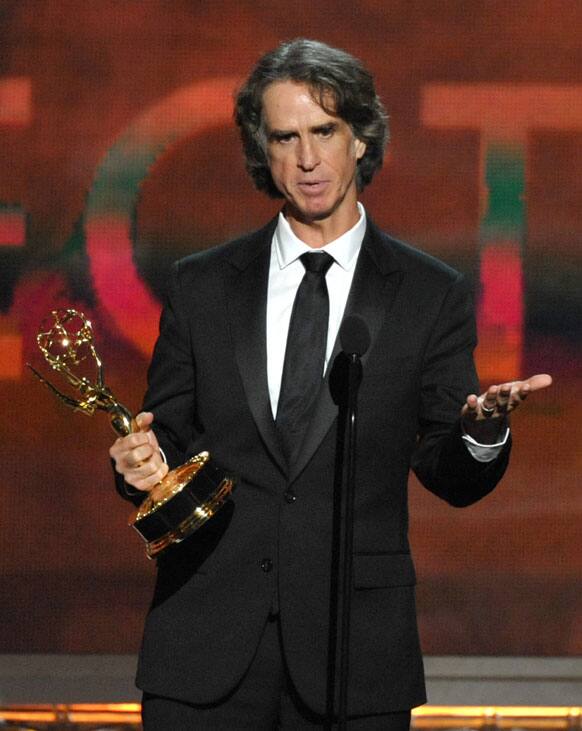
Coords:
pixel 326 131
pixel 281 137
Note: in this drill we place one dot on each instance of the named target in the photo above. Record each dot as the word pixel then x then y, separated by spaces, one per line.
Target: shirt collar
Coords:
pixel 344 250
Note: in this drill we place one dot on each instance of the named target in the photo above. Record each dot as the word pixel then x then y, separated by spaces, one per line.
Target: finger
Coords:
pixel 121 449
pixel 471 404
pixel 147 482
pixel 153 440
pixel 519 393
pixel 147 469
pixel 143 470
pixel 503 396
pixel 511 399
pixel 132 441
pixel 137 457
pixel 125 444
pixel 514 398
pixel 539 381
pixel 489 401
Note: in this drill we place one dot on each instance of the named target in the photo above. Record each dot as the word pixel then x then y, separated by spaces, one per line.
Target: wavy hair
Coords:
pixel 339 83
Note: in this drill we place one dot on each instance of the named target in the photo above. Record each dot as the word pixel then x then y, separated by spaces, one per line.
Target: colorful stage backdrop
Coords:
pixel 118 155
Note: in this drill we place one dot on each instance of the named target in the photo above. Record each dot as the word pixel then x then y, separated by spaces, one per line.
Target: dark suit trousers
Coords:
pixel 264 700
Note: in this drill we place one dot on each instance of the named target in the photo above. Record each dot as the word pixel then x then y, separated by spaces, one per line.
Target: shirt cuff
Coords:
pixel 485 452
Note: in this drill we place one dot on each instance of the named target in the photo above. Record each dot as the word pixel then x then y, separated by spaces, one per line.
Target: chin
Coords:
pixel 321 215
pixel 315 212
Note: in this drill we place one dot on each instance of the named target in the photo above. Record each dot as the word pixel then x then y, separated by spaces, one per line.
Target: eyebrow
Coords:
pixel 325 127
pixel 279 134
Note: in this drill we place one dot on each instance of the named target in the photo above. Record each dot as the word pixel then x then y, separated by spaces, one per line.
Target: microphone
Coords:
pixel 354 336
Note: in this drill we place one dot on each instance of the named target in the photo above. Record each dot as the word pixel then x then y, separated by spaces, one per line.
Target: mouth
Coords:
pixel 312 187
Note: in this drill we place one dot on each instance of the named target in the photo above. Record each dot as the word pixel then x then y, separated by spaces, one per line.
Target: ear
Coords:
pixel 360 148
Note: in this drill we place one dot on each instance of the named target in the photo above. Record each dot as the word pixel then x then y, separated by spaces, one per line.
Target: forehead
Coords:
pixel 289 102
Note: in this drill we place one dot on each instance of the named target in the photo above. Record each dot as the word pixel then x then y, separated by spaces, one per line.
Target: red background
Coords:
pixel 503 577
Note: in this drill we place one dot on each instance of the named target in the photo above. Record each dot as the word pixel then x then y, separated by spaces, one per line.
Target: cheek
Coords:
pixel 276 174
pixel 279 169
pixel 346 168
pixel 344 159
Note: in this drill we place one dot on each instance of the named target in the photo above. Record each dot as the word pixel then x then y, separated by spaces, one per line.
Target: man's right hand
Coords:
pixel 137 456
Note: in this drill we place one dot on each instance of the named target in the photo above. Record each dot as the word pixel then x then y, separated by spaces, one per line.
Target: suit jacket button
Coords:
pixel 267 565
pixel 290 497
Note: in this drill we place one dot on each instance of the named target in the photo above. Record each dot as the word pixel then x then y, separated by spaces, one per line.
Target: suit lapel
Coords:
pixel 247 284
pixel 374 286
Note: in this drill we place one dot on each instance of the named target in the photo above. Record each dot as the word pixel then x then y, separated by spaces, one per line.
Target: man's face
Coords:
pixel 312 155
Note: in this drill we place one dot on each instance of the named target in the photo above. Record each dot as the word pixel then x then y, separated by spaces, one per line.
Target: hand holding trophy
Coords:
pixel 188 495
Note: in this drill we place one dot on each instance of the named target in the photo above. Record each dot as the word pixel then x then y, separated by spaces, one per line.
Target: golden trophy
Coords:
pixel 188 495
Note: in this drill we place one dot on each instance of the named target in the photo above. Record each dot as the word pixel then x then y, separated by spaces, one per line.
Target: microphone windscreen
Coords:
pixel 354 335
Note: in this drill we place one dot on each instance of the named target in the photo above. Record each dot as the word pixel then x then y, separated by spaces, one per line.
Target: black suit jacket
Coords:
pixel 208 390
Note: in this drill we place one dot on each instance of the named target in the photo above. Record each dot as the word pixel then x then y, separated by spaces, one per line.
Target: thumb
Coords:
pixel 144 420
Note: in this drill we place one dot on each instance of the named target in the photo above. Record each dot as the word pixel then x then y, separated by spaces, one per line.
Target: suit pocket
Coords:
pixel 374 571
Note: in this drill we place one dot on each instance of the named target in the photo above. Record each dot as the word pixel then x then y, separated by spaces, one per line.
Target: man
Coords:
pixel 237 633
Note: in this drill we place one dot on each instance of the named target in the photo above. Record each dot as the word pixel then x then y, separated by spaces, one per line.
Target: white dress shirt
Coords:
pixel 285 274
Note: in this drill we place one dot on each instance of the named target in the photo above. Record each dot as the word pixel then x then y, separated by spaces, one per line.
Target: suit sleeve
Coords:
pixel 171 394
pixel 441 460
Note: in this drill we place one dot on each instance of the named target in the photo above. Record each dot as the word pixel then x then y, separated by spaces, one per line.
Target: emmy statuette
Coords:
pixel 188 495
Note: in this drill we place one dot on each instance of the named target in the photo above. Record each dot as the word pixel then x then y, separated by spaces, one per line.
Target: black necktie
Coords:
pixel 305 351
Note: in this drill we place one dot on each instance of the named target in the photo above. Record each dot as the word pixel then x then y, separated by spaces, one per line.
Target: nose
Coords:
pixel 307 155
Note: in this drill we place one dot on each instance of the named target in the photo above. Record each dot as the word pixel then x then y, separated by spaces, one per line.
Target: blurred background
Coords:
pixel 118 155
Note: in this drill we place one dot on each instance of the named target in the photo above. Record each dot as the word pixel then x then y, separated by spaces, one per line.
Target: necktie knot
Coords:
pixel 316 262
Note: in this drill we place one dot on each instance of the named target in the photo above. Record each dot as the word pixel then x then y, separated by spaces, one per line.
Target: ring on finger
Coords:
pixel 488 411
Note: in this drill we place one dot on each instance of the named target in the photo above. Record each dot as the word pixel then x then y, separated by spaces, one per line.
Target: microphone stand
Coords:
pixel 345 380
pixel 354 380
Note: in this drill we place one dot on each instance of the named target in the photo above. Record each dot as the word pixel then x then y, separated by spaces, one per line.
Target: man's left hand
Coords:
pixel 484 417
